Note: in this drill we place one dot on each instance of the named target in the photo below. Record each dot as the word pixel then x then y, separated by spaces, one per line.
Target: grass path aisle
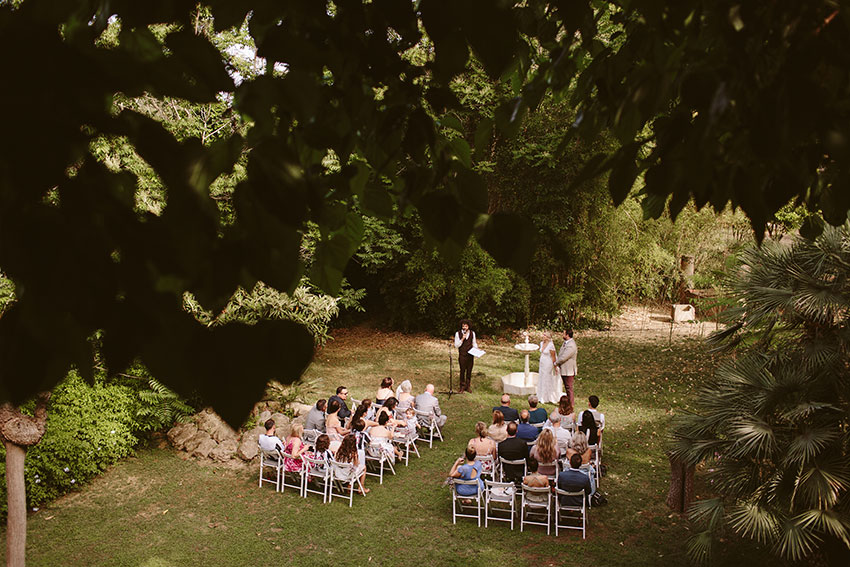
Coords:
pixel 159 509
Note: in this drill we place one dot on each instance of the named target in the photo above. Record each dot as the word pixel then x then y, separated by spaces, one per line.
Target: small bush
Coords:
pixel 89 427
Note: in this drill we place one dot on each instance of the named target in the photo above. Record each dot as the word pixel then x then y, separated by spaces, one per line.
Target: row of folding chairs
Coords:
pixel 329 478
pixel 537 506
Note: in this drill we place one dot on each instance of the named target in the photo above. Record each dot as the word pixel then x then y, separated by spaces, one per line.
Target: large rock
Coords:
pixel 280 420
pixel 204 448
pixel 264 415
pixel 196 440
pixel 299 409
pixel 248 445
pixel 181 433
pixel 218 429
pixel 225 450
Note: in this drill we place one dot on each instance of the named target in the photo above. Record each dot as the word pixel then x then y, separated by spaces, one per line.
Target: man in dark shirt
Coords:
pixel 525 430
pixel 536 414
pixel 341 396
pixel 573 480
pixel 506 409
pixel 513 449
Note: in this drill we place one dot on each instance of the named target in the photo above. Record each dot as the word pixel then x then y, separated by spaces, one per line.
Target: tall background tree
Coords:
pixel 772 426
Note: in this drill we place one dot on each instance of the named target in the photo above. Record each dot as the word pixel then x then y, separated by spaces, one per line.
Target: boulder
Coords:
pixel 274 406
pixel 299 409
pixel 181 433
pixel 196 440
pixel 264 415
pixel 207 420
pixel 204 448
pixel 225 450
pixel 248 445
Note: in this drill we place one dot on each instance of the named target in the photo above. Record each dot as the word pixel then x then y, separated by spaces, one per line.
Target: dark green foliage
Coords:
pixel 89 427
pixel 772 426
pixel 743 104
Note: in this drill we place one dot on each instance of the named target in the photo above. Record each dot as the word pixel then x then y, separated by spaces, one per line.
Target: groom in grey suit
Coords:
pixel 566 362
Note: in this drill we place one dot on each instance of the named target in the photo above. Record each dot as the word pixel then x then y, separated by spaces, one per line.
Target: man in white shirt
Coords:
pixel 562 436
pixel 269 441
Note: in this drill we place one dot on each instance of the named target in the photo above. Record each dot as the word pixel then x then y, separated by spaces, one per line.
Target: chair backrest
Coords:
pixel 310 436
pixel 500 490
pixel 513 467
pixel 273 457
pixel 458 482
pixel 317 467
pixel 536 494
pixel 571 500
pixel 425 417
pixel 342 471
pixel 488 463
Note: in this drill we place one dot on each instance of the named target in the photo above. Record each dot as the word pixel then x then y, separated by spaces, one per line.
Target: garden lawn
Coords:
pixel 160 508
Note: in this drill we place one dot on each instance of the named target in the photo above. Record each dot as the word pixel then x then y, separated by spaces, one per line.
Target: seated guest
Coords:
pixel 385 391
pixel 546 453
pixel 316 416
pixel 592 405
pixel 525 430
pixel 578 446
pixel 269 441
pixel 358 427
pixel 565 410
pixel 294 447
pixel 509 413
pixel 411 423
pixel 562 436
pixel 322 450
pixel 340 397
pixel 333 427
pixel 482 444
pixel 364 412
pixel 587 425
pixel 498 432
pixel 513 449
pixel 427 402
pixel 382 437
pixel 470 470
pixel 405 398
pixel 573 480
pixel 347 453
pixel 389 408
pixel 534 479
pixel 535 414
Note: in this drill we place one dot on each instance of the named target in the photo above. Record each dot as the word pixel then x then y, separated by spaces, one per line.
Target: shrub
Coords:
pixel 89 427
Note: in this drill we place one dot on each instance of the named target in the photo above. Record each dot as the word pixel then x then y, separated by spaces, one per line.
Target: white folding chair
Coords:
pixel 428 421
pixel 407 443
pixel 557 464
pixel 488 466
pixel 570 511
pixel 378 453
pixel 459 508
pixel 274 460
pixel 310 436
pixel 287 478
pixel 595 460
pixel 499 497
pixel 536 502
pixel 344 476
pixel 315 470
pixel 518 462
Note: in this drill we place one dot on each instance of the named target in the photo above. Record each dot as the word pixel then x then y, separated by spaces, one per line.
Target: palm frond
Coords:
pixel 755 522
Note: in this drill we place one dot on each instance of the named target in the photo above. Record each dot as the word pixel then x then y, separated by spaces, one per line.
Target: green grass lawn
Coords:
pixel 159 508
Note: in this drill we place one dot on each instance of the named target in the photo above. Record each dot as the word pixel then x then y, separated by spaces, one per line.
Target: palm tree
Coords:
pixel 773 425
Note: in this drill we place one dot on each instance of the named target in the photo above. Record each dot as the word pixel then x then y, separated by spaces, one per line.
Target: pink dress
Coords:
pixel 290 464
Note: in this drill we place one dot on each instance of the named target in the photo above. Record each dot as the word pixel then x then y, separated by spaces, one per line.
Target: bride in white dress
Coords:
pixel 548 378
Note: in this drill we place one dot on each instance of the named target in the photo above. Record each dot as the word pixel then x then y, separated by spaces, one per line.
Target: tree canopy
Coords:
pixel 711 101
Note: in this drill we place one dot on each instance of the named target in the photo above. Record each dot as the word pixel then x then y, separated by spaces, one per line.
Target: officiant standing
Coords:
pixel 464 341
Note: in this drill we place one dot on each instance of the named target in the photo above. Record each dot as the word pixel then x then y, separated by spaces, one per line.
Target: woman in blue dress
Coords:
pixel 471 470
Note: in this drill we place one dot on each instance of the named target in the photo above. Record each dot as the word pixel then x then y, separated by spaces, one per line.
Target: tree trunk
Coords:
pixel 681 485
pixel 18 432
pixel 16 496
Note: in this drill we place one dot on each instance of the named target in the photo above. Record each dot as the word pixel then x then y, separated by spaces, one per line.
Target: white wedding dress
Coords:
pixel 548 378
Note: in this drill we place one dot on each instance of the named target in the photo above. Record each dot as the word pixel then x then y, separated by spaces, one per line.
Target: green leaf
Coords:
pixel 623 173
pixel 510 239
pixel 483 138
